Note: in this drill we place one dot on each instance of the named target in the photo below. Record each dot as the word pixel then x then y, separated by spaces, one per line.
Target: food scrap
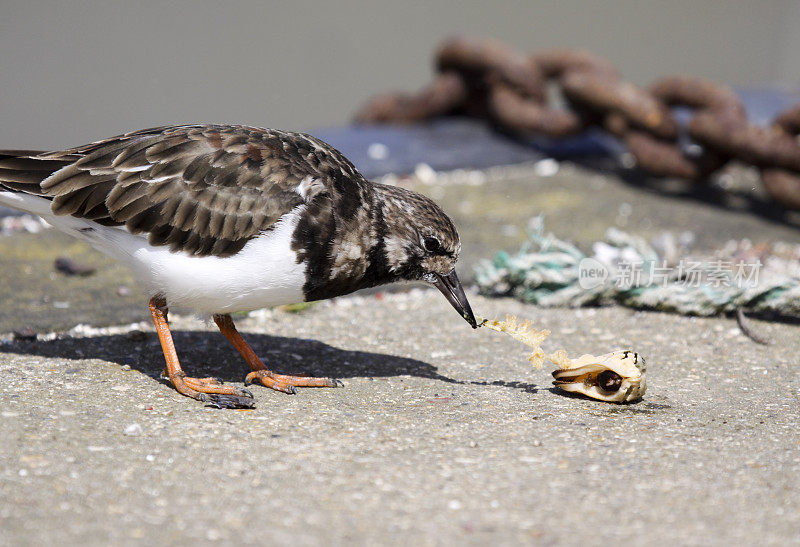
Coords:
pixel 523 332
pixel 616 377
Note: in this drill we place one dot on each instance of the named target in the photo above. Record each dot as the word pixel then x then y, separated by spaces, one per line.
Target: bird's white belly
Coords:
pixel 264 273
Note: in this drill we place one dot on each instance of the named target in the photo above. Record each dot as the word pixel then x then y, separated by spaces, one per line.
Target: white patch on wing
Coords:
pixel 135 168
pixel 304 186
pixel 316 146
pixel 159 179
pixel 101 171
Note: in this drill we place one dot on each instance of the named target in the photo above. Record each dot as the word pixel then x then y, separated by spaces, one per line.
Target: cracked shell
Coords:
pixel 616 377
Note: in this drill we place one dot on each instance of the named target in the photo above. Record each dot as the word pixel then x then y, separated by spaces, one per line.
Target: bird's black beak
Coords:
pixel 452 290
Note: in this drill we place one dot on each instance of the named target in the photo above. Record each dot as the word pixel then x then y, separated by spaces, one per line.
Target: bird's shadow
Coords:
pixel 515 384
pixel 209 354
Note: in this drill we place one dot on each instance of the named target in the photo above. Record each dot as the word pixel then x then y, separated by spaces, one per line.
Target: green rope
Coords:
pixel 550 272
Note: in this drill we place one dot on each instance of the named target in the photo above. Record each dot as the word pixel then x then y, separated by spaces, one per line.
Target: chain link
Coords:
pixel 486 79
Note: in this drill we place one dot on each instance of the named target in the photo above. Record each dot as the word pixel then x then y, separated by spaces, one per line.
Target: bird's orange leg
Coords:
pixel 278 382
pixel 208 390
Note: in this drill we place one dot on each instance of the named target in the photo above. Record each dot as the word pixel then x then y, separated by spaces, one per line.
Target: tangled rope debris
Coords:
pixel 626 270
pixel 488 80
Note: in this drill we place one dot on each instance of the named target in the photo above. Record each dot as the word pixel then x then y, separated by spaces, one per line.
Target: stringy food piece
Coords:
pixel 617 377
pixel 524 332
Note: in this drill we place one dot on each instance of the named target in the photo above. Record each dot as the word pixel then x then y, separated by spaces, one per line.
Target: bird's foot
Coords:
pixel 212 391
pixel 287 384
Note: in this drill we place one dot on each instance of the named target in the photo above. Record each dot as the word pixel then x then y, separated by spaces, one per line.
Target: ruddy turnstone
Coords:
pixel 224 218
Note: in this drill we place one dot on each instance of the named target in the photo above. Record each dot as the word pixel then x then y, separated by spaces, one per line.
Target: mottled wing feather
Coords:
pixel 22 173
pixel 204 190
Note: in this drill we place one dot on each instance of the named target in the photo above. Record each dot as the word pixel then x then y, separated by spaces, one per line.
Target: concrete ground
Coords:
pixel 441 434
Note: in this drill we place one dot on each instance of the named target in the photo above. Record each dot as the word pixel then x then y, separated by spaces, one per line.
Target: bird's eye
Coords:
pixel 431 244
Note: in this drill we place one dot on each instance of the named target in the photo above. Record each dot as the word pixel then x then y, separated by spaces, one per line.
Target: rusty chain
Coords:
pixel 488 80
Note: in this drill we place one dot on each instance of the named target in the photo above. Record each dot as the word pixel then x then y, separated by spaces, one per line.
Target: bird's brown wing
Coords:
pixel 200 189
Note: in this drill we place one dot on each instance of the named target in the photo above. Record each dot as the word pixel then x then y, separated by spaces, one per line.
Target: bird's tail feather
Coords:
pixel 21 175
pixel 24 170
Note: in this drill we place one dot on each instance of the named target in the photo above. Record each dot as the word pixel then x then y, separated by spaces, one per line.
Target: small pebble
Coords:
pixel 25 333
pixel 425 173
pixel 378 151
pixel 546 167
pixel 133 430
pixel 137 336
pixel 122 290
pixel 67 266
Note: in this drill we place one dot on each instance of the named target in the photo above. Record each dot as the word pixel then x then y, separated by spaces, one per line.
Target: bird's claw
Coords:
pixel 212 391
pixel 287 384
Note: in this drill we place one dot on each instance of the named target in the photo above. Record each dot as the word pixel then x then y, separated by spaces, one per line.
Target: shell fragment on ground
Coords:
pixel 616 377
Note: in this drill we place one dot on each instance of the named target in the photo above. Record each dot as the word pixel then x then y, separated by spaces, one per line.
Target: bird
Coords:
pixel 217 219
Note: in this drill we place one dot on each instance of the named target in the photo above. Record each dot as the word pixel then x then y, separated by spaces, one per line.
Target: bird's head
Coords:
pixel 422 244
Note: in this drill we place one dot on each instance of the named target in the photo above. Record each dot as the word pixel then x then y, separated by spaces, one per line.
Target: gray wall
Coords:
pixel 74 71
